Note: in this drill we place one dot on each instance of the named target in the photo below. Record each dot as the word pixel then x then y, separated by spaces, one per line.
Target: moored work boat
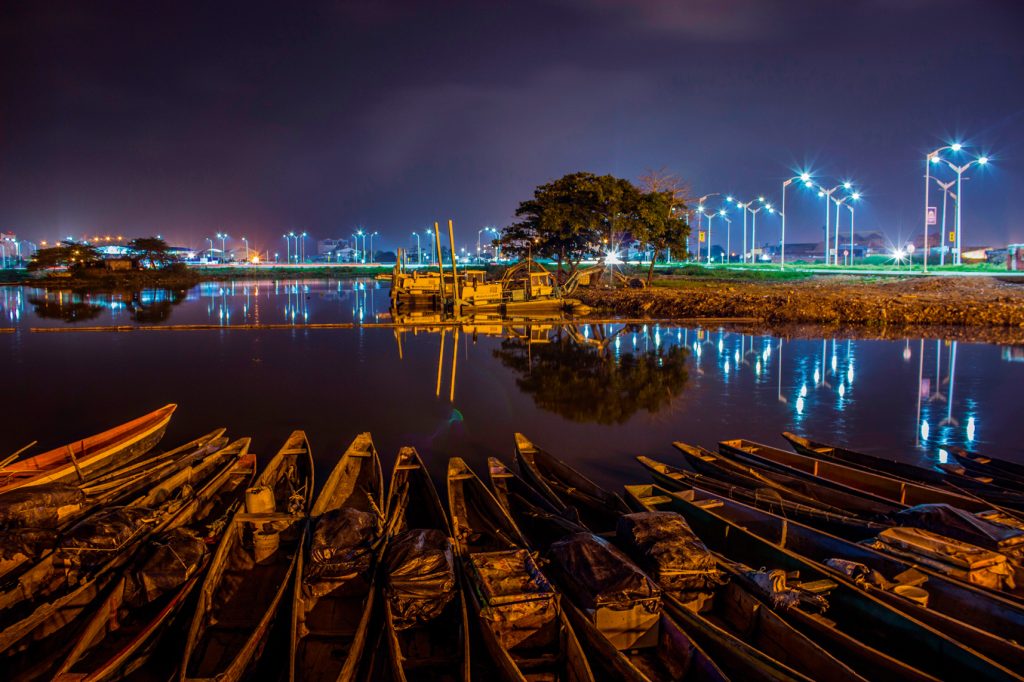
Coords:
pixel 334 581
pixel 252 568
pixel 127 625
pixel 83 459
pixel 426 623
pixel 519 615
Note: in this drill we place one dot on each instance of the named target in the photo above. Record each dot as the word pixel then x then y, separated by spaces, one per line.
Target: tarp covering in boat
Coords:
pixel 175 557
pixel 961 525
pixel 519 605
pixel 670 550
pixel 38 506
pixel 102 535
pixel 968 562
pixel 600 575
pixel 342 543
pixel 29 542
pixel 421 576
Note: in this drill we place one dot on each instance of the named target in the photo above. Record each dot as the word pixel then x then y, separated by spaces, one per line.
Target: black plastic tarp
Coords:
pixel 421 581
pixel 37 506
pixel 600 575
pixel 100 536
pixel 175 557
pixel 343 541
pixel 960 525
pixel 670 551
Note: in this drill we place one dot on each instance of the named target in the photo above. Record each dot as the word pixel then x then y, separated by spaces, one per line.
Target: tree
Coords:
pixel 65 255
pixel 152 250
pixel 664 233
pixel 662 224
pixel 569 218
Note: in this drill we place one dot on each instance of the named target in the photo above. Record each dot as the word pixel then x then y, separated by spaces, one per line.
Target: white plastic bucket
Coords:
pixel 259 500
pixel 265 545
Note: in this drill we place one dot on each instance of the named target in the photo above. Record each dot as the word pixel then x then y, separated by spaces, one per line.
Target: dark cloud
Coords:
pixel 189 118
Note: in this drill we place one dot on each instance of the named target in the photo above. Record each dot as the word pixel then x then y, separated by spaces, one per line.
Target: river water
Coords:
pixel 595 394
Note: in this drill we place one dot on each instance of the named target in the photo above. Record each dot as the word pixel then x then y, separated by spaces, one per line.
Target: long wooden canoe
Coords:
pixel 875 639
pixel 49 600
pixel 792 487
pixel 744 639
pixel 966 485
pixel 982 620
pixel 56 507
pixel 83 459
pixel 986 464
pixel 849 479
pixel 119 637
pixel 331 610
pixel 438 648
pixel 504 586
pixel 248 576
pixel 840 524
pixel 672 655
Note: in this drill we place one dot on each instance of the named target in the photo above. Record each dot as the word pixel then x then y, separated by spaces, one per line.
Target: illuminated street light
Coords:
pixel 959 170
pixel 700 212
pixel 946 193
pixel 372 235
pixel 932 157
pixel 419 251
pixel 728 233
pixel 805 178
pixel 223 241
pixel 246 242
pixel 827 193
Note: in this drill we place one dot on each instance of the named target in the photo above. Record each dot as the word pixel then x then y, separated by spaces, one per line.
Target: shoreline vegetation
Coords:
pixel 791 297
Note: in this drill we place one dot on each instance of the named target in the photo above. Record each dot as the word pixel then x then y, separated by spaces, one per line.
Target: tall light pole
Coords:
pixel 246 242
pixel 728 233
pixel 827 193
pixel 432 249
pixel 710 217
pixel 945 200
pixel 288 248
pixel 848 186
pixel 419 251
pixel 223 241
pixel 806 179
pixel 932 157
pixel 303 246
pixel 959 170
pixel 210 239
pixel 700 212
pixel 372 235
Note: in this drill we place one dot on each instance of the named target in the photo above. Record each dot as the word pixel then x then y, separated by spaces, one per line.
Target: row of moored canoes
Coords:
pixel 751 563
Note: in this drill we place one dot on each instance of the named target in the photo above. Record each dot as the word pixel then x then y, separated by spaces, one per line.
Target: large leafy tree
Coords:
pixel 661 224
pixel 153 250
pixel 570 218
pixel 65 255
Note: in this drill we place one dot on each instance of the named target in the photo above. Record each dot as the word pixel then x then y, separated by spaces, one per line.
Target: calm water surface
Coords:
pixel 596 395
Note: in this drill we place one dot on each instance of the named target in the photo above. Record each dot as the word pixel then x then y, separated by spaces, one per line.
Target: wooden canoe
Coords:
pixel 331 614
pixel 674 655
pixel 84 459
pixel 840 524
pixel 795 488
pixel 112 489
pixel 438 649
pixel 982 620
pixel 746 640
pixel 486 537
pixel 118 638
pixel 599 509
pixel 991 465
pixel 50 599
pixel 240 595
pixel 870 636
pixel 963 484
pixel 849 479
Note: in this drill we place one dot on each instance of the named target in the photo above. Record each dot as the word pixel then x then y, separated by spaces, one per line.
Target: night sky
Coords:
pixel 256 118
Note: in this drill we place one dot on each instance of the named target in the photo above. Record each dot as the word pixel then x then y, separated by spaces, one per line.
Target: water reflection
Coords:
pixel 145 306
pixel 588 379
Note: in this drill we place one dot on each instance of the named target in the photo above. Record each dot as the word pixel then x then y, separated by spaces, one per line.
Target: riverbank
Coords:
pixel 835 300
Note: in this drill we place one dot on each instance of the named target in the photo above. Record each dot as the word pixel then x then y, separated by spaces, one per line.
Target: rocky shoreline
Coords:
pixel 846 301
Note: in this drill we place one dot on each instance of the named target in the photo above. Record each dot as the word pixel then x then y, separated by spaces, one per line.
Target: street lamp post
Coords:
pixel 372 235
pixel 223 241
pixel 210 239
pixel 806 179
pixel 959 170
pixel 419 251
pixel 700 212
pixel 288 248
pixel 728 234
pixel 246 242
pixel 304 235
pixel 945 200
pixel 932 157
pixel 827 193
pixel 710 217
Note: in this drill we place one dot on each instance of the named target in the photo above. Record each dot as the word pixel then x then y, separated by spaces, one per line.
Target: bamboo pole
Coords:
pixel 440 262
pixel 455 360
pixel 455 271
